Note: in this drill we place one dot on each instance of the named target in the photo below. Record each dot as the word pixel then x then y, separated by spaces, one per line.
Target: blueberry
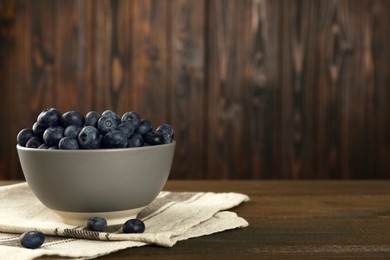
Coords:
pixel 113 115
pixel 24 135
pixel 144 127
pixel 32 239
pixel 53 135
pixel 38 129
pixel 136 140
pixel 127 128
pixel 68 143
pixel 97 224
pixel 114 139
pixel 72 118
pixel 106 124
pixel 133 226
pixel 72 131
pixel 132 117
pixel 43 146
pixel 91 118
pixel 49 117
pixel 154 138
pixel 34 142
pixel 89 138
pixel 167 132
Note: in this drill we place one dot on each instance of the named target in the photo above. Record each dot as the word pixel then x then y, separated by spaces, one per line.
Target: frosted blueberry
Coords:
pixel 97 224
pixel 32 239
pixel 49 117
pixel 89 138
pixel 133 226
pixel 72 118
pixel 24 135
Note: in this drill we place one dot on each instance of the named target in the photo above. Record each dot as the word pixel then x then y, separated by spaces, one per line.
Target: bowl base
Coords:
pixel 112 217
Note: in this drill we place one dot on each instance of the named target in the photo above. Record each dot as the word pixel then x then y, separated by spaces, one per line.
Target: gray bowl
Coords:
pixel 111 183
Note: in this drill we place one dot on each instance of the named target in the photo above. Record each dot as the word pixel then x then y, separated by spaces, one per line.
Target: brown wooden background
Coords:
pixel 255 89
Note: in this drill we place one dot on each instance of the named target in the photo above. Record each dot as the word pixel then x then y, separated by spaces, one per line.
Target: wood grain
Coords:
pixel 150 59
pixel 260 89
pixel 255 89
pixel 289 220
pixel 224 81
pixel 186 87
pixel 297 94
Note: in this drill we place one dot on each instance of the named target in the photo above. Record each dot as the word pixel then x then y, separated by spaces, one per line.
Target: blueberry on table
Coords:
pixel 133 226
pixel 89 138
pixel 68 143
pixel 97 224
pixel 106 124
pixel 91 118
pixel 32 239
pixel 53 135
pixel 49 117
pixel 24 135
pixel 114 139
pixel 72 118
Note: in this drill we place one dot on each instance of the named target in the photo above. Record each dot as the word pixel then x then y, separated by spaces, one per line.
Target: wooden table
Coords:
pixel 290 219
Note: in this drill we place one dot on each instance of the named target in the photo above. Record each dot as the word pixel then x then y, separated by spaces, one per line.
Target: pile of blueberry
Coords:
pixel 72 130
pixel 34 239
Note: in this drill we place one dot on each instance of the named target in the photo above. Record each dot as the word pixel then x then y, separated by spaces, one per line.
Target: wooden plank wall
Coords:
pixel 255 89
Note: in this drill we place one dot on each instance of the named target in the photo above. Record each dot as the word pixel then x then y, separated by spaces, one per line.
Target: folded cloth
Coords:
pixel 171 217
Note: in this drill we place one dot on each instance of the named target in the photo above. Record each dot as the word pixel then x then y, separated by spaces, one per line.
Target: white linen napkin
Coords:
pixel 171 217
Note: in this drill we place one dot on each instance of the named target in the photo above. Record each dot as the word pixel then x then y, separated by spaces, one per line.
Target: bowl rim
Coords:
pixel 23 148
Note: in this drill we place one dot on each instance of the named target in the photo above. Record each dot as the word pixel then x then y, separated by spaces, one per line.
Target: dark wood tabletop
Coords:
pixel 290 219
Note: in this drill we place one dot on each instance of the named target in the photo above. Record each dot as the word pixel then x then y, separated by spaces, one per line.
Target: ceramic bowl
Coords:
pixel 112 183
